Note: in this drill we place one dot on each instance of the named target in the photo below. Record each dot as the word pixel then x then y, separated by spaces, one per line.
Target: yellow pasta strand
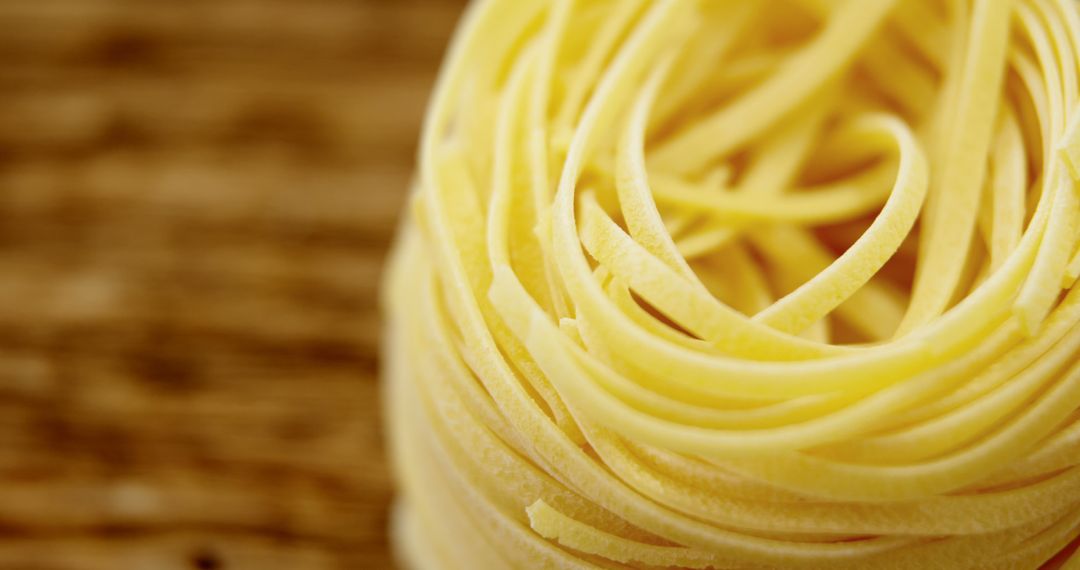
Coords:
pixel 743 284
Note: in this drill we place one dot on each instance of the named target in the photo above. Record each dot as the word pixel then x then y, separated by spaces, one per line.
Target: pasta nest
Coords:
pixel 740 284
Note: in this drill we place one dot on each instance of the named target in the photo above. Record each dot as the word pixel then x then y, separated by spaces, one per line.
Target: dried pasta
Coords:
pixel 743 284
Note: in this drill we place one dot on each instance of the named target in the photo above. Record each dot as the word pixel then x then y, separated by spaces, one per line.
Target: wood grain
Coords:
pixel 195 201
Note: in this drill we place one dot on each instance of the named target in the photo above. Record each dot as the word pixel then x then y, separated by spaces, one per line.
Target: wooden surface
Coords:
pixel 195 200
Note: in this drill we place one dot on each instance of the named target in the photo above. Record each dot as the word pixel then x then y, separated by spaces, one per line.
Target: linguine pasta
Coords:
pixel 743 284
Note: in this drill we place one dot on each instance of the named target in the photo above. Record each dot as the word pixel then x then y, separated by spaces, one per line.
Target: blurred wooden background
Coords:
pixel 195 200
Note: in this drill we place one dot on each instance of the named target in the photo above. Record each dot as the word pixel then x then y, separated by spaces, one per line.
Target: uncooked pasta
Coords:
pixel 743 284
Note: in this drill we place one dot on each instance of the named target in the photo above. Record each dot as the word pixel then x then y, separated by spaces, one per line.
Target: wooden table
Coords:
pixel 195 201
